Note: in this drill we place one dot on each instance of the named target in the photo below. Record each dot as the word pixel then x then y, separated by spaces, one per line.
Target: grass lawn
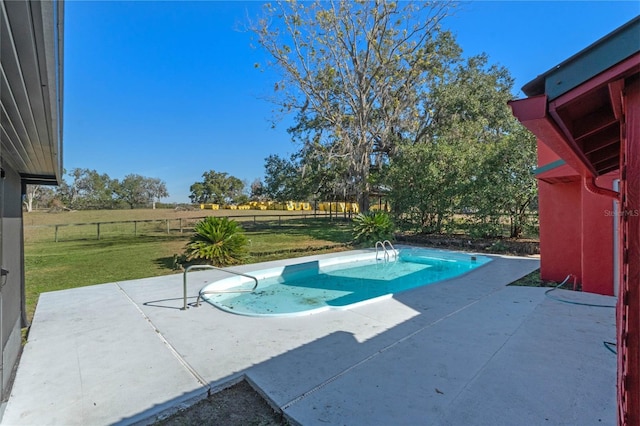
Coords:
pixel 51 266
pixel 80 259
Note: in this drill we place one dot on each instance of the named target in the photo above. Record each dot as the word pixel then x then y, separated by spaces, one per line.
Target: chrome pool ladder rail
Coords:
pixel 383 245
pixel 200 293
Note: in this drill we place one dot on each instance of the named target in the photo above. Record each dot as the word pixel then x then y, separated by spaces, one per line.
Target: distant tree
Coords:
pixel 91 190
pixel 87 190
pixel 241 199
pixel 131 190
pixel 136 190
pixel 310 173
pixel 219 188
pixel 257 190
pixel 282 178
pixel 68 193
pixel 37 196
pixel 156 190
pixel 30 194
pixel 199 194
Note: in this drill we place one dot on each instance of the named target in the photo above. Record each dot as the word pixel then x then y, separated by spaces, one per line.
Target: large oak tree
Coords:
pixel 353 72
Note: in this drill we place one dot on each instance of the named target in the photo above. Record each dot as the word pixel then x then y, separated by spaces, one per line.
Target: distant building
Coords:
pixel 31 36
pixel 585 113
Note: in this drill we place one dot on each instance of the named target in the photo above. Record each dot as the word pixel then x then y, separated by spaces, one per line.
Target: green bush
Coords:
pixel 498 247
pixel 372 226
pixel 484 227
pixel 218 240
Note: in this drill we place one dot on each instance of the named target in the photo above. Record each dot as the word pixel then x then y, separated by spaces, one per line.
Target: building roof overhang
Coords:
pixel 576 107
pixel 31 92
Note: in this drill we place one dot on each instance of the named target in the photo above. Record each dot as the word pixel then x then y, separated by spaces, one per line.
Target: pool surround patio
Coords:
pixel 469 350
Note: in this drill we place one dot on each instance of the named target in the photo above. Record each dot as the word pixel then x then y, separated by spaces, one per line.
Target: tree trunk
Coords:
pixel 28 203
pixel 30 195
pixel 363 200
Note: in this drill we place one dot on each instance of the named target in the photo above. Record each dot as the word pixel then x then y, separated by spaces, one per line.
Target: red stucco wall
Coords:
pixel 576 227
pixel 560 230
pixel 598 216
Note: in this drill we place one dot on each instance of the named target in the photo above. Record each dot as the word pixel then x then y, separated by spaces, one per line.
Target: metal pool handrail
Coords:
pixel 388 243
pixel 189 268
pixel 384 244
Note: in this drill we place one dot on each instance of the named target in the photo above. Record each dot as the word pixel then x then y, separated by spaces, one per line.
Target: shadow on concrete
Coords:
pixel 486 355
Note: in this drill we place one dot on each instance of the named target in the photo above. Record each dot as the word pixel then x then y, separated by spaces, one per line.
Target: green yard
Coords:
pixel 81 259
pixel 148 248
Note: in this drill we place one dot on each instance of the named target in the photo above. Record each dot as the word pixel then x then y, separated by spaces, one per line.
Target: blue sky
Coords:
pixel 169 90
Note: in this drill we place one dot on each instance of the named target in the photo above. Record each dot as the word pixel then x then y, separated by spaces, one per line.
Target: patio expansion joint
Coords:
pixel 183 362
pixel 377 353
pixel 81 382
pixel 493 355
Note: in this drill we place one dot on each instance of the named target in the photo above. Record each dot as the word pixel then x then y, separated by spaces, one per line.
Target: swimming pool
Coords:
pixel 337 282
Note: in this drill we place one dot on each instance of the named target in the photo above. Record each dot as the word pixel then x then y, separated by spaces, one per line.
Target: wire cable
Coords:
pixel 609 345
pixel 571 301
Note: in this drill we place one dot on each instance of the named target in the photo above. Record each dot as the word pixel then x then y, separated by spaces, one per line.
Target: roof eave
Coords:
pixel 594 59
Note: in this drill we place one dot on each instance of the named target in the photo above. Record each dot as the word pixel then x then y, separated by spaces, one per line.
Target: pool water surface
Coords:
pixel 339 282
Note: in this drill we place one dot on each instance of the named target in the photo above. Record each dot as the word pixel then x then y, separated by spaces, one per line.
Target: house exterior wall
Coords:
pixel 628 309
pixel 559 209
pixel 597 239
pixel 576 226
pixel 31 95
pixel 11 300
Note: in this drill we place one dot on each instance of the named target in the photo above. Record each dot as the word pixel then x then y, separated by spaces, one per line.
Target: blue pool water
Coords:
pixel 338 282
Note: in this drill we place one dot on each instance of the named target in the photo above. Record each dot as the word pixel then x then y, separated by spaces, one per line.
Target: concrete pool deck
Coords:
pixel 469 350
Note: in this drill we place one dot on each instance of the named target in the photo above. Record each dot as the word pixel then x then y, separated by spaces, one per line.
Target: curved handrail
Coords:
pixel 383 245
pixel 384 250
pixel 189 268
pixel 387 242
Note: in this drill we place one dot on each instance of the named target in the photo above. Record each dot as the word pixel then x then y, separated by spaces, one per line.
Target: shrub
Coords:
pixel 372 226
pixel 498 247
pixel 218 240
pixel 484 228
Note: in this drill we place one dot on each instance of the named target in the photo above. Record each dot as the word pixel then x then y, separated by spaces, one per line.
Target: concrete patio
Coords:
pixel 467 351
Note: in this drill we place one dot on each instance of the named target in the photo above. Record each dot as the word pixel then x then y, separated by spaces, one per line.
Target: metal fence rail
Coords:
pixel 167 226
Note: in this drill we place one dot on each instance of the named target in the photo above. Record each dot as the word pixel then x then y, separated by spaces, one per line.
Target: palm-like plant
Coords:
pixel 372 226
pixel 219 240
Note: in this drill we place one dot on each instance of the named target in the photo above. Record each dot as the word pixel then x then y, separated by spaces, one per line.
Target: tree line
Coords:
pixel 386 105
pixel 88 189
